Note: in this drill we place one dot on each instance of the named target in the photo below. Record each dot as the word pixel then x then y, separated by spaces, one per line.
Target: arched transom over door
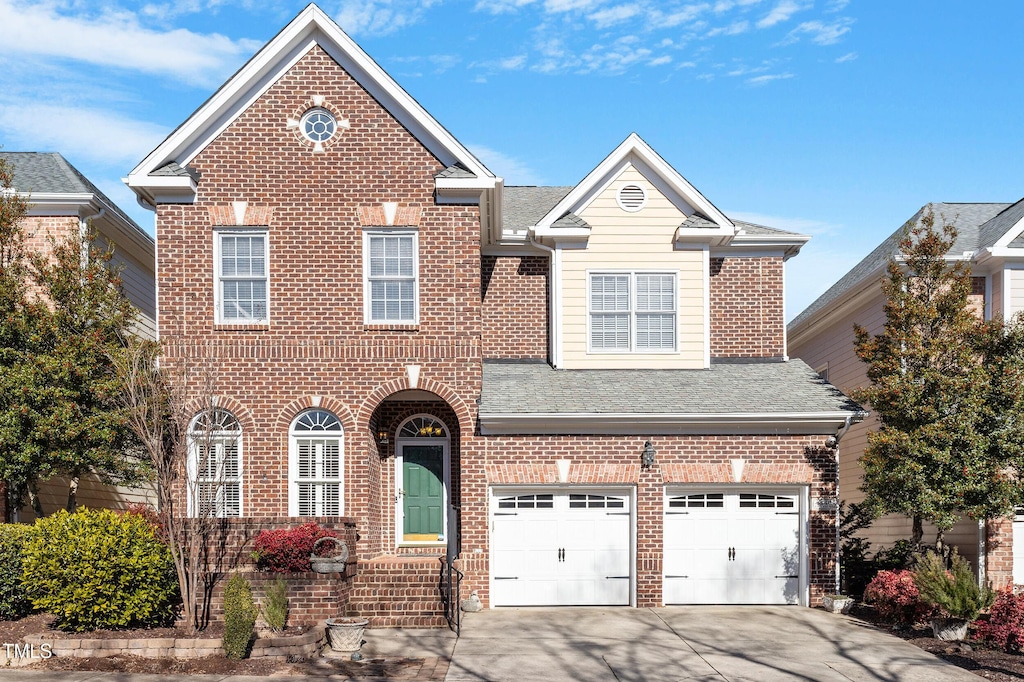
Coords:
pixel 422 476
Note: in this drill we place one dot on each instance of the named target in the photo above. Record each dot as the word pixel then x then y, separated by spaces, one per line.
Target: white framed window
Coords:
pixel 316 465
pixel 391 272
pixel 632 312
pixel 241 271
pixel 215 464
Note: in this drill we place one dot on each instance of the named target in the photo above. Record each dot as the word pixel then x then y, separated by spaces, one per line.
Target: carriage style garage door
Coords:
pixel 560 548
pixel 732 547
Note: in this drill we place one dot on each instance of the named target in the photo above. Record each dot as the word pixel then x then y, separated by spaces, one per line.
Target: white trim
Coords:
pixel 634 151
pixel 706 275
pixel 806 423
pixel 293 460
pixel 1007 292
pixel 1011 234
pixel 310 27
pixel 558 308
pixel 218 291
pixel 368 234
pixel 400 444
pixel 192 482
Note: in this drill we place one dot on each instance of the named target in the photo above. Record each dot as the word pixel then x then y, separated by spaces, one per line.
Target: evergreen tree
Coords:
pixel 943 449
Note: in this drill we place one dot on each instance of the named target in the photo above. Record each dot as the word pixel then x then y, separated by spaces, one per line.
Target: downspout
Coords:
pixel 838 437
pixel 83 234
pixel 554 339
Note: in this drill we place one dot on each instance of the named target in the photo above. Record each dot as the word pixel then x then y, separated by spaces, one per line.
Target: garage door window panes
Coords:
pixel 699 501
pixel 527 502
pixel 595 502
pixel 752 501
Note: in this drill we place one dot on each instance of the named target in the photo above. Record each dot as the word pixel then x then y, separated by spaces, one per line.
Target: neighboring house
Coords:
pixel 989 240
pixel 62 201
pixel 583 392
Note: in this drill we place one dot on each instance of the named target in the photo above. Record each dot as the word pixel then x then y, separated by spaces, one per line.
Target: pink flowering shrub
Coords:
pixel 287 551
pixel 896 597
pixel 1005 625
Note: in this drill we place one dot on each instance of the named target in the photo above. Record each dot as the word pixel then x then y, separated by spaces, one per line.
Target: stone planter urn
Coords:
pixel 345 634
pixel 837 603
pixel 949 629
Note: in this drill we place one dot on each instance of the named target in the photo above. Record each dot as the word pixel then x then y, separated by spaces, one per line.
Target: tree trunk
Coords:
pixel 72 495
pixel 917 534
pixel 33 496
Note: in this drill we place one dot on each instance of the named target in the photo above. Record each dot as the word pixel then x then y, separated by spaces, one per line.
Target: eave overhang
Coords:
pixel 806 423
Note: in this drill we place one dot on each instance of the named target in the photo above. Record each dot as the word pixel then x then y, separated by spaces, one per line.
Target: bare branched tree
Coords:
pixel 193 447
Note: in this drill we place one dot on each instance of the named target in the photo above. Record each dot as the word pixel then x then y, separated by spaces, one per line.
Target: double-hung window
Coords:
pixel 316 465
pixel 632 312
pixel 391 277
pixel 215 465
pixel 242 277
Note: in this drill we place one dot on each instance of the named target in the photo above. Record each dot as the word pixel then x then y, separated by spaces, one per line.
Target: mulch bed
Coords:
pixel 991 664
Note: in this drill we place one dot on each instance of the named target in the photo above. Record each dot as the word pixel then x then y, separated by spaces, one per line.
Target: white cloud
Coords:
pixel 768 78
pixel 783 11
pixel 115 38
pixel 820 32
pixel 98 135
pixel 658 61
pixel 501 6
pixel 836 5
pixel 378 17
pixel 559 6
pixel 733 29
pixel 848 57
pixel 614 15
pixel 512 63
pixel 514 171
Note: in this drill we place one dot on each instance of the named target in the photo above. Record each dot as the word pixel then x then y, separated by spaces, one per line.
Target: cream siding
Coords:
pixel 996 284
pixel 1014 279
pixel 53 495
pixel 832 343
pixel 639 241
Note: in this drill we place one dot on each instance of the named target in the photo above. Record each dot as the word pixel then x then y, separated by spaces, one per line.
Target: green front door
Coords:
pixel 423 493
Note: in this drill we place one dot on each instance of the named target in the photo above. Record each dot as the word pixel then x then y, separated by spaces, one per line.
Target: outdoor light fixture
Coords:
pixel 382 437
pixel 648 456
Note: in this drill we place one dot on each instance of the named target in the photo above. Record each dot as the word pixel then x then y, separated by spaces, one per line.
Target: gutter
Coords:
pixel 555 300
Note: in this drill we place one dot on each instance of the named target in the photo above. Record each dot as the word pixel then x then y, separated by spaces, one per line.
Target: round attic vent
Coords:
pixel 632 198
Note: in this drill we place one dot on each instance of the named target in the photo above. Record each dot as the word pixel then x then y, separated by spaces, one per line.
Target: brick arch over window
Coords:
pixel 242 413
pixel 296 407
pixel 442 391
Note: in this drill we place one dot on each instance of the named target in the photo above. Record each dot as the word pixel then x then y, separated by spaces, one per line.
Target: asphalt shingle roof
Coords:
pixel 991 231
pixel 456 171
pixel 968 219
pixel 50 173
pixel 523 206
pixel 735 388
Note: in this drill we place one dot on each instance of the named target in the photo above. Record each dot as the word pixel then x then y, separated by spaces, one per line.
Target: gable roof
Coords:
pixel 634 151
pixel 970 221
pixel 761 397
pixel 310 27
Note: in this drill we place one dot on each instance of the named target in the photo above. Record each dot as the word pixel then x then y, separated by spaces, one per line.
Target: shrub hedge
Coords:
pixel 13 601
pixel 287 550
pixel 97 568
pixel 239 617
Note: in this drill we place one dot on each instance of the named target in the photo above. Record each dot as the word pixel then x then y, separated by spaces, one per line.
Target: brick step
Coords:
pixel 398 591
pixel 407 622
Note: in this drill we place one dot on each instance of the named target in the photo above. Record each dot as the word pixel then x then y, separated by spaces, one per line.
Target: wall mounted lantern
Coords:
pixel 647 458
pixel 382 438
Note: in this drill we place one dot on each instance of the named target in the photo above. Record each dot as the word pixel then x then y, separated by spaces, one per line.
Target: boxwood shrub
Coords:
pixel 97 568
pixel 13 602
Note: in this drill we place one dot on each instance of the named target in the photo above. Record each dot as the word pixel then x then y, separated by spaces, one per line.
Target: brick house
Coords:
pixel 581 392
pixel 62 201
pixel 989 240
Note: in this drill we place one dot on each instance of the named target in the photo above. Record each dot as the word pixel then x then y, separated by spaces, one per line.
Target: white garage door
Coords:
pixel 560 548
pixel 732 547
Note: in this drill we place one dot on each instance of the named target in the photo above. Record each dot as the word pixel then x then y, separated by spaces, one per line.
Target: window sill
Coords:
pixel 391 327
pixel 241 326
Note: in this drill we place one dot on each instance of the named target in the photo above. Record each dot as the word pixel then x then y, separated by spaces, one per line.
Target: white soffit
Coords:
pixel 311 27
pixel 635 152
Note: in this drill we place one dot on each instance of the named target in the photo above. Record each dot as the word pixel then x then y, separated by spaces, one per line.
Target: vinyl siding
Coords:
pixel 640 241
pixel 1015 279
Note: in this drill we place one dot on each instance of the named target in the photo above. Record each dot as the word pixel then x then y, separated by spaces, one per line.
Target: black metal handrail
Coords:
pixel 451 594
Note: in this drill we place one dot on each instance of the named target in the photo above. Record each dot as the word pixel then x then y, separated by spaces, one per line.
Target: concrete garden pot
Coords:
pixel 949 629
pixel 345 634
pixel 837 603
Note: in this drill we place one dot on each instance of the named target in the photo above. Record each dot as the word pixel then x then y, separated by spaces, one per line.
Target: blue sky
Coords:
pixel 836 118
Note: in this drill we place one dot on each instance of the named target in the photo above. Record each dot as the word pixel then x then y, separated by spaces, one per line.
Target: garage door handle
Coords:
pixel 677 576
pixel 505 577
pixel 675 512
pixel 787 576
pixel 617 513
pixel 506 514
pixel 732 554
pixel 616 577
pixel 786 513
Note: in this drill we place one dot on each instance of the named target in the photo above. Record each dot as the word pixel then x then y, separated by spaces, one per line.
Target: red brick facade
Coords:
pixel 317 351
pixel 747 315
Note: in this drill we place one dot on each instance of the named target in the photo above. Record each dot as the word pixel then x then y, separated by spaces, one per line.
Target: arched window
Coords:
pixel 316 470
pixel 215 464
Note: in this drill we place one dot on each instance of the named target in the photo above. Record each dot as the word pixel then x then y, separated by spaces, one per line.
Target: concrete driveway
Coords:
pixel 684 643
